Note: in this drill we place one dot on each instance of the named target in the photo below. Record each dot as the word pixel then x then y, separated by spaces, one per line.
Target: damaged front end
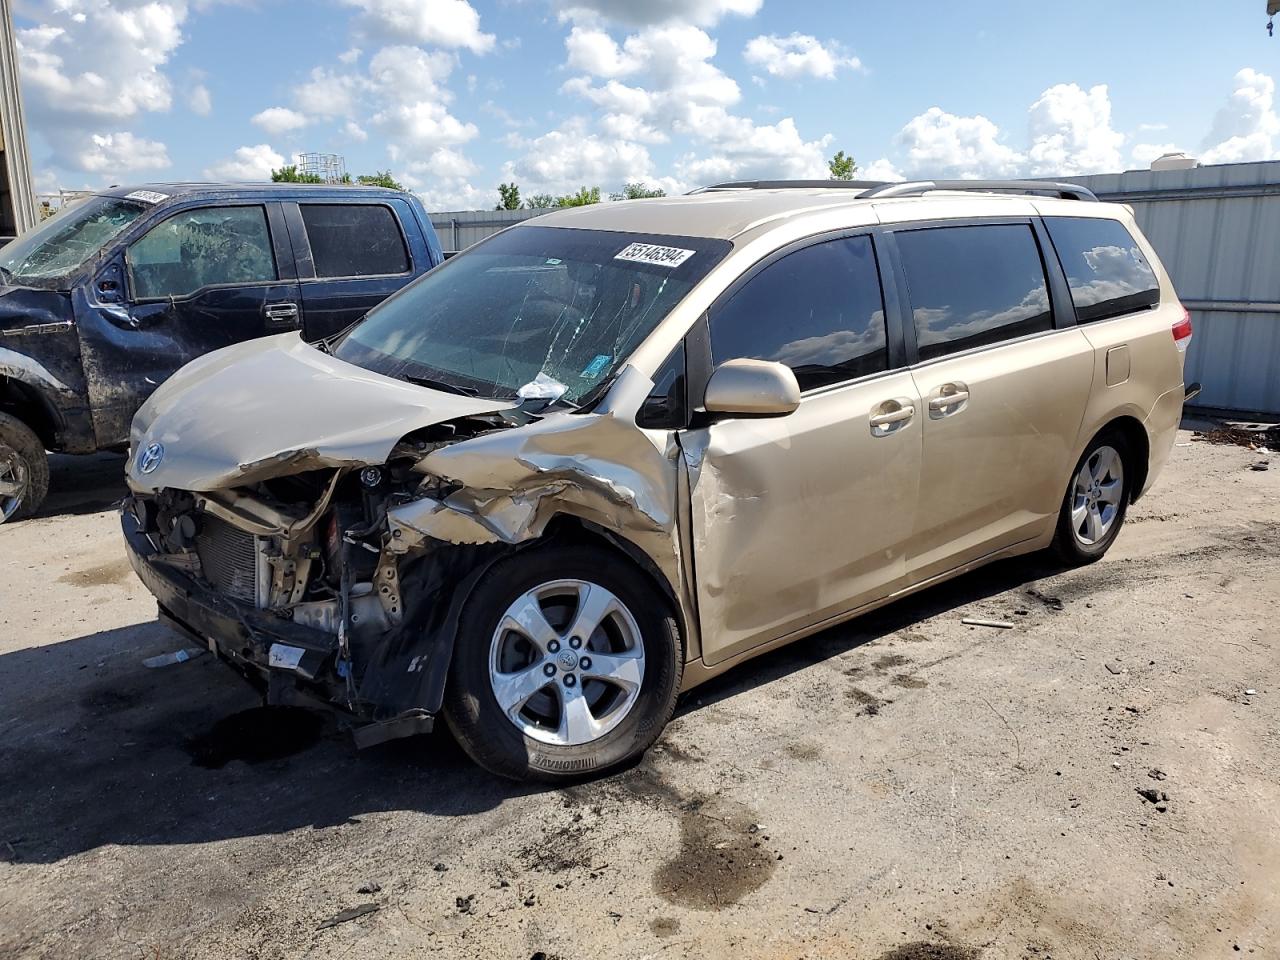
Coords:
pixel 334 575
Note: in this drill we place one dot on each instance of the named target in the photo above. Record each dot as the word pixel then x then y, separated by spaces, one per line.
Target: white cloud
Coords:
pixel 881 169
pixel 443 23
pixel 1071 132
pixel 640 13
pixel 121 152
pixel 564 159
pixel 247 163
pixel 796 56
pixel 945 146
pixel 327 94
pixel 349 56
pixel 1247 127
pixel 354 132
pixel 96 58
pixel 200 100
pixel 278 120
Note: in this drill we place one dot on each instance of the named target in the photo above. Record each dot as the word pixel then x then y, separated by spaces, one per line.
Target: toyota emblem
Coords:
pixel 150 457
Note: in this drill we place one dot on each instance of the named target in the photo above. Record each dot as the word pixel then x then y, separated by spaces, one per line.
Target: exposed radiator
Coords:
pixel 229 558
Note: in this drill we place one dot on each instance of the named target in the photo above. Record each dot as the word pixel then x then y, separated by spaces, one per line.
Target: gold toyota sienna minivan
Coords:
pixel 616 450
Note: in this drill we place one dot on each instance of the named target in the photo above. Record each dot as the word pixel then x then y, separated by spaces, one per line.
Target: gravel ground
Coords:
pixel 902 787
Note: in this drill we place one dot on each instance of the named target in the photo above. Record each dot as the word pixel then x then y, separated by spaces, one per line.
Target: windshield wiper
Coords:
pixel 5 276
pixel 439 385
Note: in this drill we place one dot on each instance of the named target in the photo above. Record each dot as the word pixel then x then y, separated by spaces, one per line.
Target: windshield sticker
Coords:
pixel 654 254
pixel 552 262
pixel 146 196
pixel 593 368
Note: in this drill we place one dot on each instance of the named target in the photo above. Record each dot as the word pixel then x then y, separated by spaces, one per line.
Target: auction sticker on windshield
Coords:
pixel 146 196
pixel 654 254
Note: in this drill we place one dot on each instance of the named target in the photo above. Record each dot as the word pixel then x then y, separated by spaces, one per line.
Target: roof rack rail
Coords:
pixel 914 188
pixel 790 185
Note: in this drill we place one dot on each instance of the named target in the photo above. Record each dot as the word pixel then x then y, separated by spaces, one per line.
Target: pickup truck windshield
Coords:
pixel 66 240
pixel 567 304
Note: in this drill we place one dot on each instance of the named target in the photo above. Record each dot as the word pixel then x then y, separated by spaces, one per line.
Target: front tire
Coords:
pixel 1097 498
pixel 24 470
pixel 567 663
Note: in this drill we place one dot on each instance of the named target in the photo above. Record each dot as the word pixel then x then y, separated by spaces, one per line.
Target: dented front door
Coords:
pixel 799 519
pixel 198 279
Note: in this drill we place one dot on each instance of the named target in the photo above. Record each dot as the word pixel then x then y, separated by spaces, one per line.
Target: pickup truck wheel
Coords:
pixel 567 663
pixel 1097 497
pixel 24 470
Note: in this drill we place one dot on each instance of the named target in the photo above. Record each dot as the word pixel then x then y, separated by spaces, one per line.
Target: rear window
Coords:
pixel 974 286
pixel 354 240
pixel 1106 271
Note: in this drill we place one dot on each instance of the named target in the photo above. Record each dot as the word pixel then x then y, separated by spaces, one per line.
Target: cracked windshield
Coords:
pixel 539 312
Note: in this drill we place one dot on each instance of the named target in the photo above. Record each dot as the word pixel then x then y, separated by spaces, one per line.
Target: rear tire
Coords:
pixel 24 470
pixel 1096 500
pixel 586 684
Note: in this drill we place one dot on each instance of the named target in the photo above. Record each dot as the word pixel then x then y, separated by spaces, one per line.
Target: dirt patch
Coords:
pixel 869 702
pixel 890 661
pixel 664 926
pixel 565 848
pixel 722 858
pixel 927 950
pixel 101 575
pixel 908 682
pixel 112 697
pixel 256 736
pixel 804 750
pixel 1233 436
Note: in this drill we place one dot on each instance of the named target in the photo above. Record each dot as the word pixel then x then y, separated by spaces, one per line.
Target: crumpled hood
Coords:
pixel 273 407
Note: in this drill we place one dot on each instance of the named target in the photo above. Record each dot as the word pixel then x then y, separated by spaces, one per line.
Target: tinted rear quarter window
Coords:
pixel 354 239
pixel 974 286
pixel 1106 271
pixel 818 310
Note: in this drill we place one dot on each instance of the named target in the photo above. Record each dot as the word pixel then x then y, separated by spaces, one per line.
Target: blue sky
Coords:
pixel 455 96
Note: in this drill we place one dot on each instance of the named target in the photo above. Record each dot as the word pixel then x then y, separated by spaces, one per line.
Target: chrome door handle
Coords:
pixel 281 314
pixel 893 416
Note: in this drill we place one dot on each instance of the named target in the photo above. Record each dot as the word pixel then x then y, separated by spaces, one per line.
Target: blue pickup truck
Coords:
pixel 103 302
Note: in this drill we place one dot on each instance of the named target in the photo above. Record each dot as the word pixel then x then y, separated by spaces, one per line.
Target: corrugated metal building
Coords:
pixel 1217 229
pixel 17 198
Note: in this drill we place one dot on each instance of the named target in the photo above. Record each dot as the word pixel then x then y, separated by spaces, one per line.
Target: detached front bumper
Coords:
pixel 260 645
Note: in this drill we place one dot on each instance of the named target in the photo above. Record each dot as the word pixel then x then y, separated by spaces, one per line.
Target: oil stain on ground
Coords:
pixel 257 735
pixel 722 857
pixel 929 950
pixel 102 575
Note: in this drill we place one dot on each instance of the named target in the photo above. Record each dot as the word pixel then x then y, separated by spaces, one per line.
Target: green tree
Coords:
pixel 582 198
pixel 842 166
pixel 508 197
pixel 637 191
pixel 380 178
pixel 290 174
pixel 540 201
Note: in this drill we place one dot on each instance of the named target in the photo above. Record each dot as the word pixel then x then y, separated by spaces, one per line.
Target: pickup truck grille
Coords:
pixel 229 559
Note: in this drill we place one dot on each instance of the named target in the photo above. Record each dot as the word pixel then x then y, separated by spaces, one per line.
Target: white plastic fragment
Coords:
pixel 178 656
pixel 998 624
pixel 542 387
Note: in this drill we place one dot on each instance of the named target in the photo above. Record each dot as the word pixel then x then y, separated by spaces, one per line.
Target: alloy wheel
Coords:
pixel 566 662
pixel 1096 495
pixel 14 481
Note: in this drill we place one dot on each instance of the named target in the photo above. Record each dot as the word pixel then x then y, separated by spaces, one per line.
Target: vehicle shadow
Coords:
pixel 83 484
pixel 97 749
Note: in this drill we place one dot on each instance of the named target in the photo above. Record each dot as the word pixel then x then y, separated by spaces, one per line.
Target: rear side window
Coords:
pixel 202 248
pixel 354 240
pixel 818 310
pixel 973 286
pixel 1106 271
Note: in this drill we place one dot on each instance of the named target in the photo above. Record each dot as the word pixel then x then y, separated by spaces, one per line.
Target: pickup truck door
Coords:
pixel 352 255
pixel 198 278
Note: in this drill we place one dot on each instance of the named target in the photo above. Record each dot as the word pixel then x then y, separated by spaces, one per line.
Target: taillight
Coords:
pixel 1182 331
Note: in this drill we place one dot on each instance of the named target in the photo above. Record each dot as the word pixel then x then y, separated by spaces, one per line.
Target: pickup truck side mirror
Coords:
pixel 751 388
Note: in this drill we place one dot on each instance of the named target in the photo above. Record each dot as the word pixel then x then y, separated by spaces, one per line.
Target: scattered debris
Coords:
pixel 1152 795
pixel 976 622
pixel 354 913
pixel 1155 773
pixel 440 868
pixel 465 904
pixel 1261 465
pixel 371 886
pixel 177 656
pixel 1114 668
pixel 1053 603
pixel 1251 692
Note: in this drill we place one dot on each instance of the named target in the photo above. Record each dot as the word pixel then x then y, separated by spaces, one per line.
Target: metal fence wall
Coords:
pixel 459 229
pixel 1217 230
